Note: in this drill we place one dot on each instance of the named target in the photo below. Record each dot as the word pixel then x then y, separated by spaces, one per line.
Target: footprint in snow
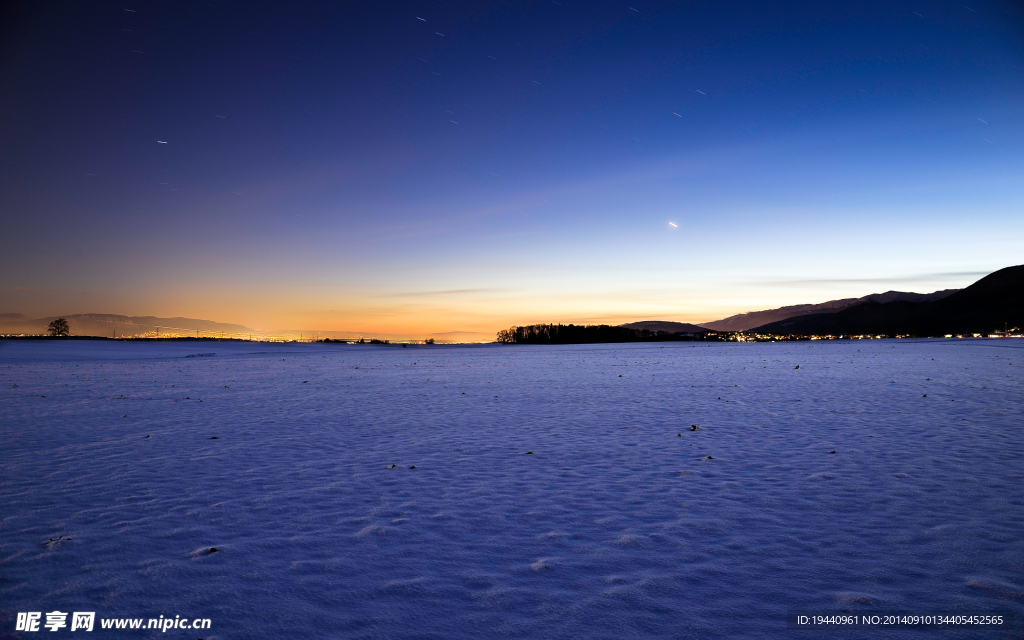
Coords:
pixel 55 542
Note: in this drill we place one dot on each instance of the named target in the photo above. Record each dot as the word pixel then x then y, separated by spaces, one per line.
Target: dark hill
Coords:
pixel 983 307
pixel 665 325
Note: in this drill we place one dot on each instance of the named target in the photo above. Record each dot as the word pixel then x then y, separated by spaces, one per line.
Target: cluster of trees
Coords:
pixel 58 328
pixel 579 334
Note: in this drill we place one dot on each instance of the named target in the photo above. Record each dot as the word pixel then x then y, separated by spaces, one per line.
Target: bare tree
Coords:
pixel 59 327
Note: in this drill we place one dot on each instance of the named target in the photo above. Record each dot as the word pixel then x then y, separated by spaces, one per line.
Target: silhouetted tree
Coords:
pixel 59 327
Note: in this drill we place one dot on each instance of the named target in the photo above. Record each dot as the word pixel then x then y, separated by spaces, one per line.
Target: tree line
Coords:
pixel 580 334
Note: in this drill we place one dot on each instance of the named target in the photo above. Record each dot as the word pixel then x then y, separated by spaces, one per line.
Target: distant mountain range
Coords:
pixel 112 325
pixel 990 304
pixel 747 321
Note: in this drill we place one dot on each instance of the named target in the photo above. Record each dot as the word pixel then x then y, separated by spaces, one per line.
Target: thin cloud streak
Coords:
pixel 442 292
pixel 918 278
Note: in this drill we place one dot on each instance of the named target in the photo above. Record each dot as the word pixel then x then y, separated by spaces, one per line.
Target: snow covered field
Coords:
pixel 520 492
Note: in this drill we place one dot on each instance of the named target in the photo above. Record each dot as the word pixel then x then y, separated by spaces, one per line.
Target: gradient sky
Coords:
pixel 417 167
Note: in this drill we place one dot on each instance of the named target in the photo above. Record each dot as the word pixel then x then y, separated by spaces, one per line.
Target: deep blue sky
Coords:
pixel 350 167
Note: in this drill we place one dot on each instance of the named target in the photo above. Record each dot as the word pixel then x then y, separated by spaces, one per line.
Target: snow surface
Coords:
pixel 621 523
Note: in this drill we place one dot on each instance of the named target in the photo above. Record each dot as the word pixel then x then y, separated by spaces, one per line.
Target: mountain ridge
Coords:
pixel 752 319
pixel 989 305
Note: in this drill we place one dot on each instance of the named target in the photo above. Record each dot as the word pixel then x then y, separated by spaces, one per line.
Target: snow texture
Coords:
pixel 510 492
